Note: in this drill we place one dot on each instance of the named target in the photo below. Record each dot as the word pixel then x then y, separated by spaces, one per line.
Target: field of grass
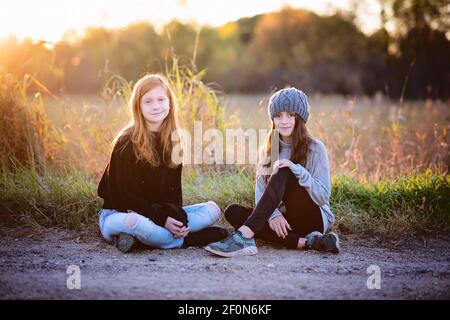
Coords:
pixel 389 162
pixel 407 206
pixel 366 138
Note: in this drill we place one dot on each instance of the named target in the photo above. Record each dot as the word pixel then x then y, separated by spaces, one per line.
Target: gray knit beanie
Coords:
pixel 289 100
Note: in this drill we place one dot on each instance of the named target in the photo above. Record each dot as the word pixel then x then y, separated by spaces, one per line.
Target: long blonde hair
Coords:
pixel 144 143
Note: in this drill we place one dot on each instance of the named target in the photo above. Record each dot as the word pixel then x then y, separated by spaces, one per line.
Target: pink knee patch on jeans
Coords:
pixel 131 220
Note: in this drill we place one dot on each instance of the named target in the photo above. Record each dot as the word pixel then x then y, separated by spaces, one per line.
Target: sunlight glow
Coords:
pixel 50 19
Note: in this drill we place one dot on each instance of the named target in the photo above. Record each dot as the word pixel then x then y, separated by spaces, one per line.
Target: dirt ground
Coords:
pixel 34 266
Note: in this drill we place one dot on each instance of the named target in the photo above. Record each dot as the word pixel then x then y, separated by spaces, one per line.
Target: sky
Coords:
pixel 49 19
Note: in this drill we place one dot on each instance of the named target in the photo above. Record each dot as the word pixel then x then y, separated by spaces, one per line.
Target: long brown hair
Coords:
pixel 300 141
pixel 144 142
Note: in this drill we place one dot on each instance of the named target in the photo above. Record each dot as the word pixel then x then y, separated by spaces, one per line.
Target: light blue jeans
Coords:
pixel 113 222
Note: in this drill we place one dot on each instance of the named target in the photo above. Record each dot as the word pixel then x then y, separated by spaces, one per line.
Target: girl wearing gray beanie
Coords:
pixel 292 190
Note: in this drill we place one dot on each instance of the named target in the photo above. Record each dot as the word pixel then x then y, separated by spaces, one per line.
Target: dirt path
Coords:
pixel 34 266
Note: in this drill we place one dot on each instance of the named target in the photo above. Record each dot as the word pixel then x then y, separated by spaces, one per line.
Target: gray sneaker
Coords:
pixel 233 246
pixel 323 242
pixel 125 242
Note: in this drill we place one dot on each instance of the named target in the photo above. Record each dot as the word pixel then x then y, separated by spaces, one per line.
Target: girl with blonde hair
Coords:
pixel 141 185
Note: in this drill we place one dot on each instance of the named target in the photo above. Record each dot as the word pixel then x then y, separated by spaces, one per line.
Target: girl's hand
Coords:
pixel 283 163
pixel 176 228
pixel 280 225
pixel 183 232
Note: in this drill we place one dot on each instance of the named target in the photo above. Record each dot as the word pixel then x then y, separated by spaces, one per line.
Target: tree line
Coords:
pixel 327 54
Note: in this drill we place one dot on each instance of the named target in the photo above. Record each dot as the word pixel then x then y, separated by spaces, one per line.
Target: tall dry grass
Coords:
pixel 23 123
pixel 386 141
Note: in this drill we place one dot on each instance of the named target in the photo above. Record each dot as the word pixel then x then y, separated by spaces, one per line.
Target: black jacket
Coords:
pixel 128 184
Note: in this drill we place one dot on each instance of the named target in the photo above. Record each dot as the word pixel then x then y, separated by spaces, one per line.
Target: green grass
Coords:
pixel 400 207
pixel 63 198
pixel 407 206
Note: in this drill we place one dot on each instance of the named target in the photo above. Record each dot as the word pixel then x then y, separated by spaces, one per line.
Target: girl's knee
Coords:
pixel 131 220
pixel 282 174
pixel 214 210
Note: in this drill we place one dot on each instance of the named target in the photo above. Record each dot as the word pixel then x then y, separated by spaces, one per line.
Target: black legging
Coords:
pixel 302 214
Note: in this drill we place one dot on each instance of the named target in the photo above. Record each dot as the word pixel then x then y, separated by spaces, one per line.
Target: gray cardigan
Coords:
pixel 315 178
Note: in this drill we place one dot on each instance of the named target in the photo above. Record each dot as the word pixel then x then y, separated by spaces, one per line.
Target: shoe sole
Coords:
pixel 125 243
pixel 337 249
pixel 249 251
